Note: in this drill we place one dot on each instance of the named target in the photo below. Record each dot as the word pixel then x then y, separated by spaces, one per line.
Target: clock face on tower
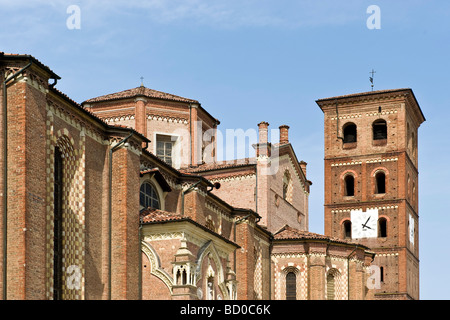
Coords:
pixel 411 229
pixel 364 224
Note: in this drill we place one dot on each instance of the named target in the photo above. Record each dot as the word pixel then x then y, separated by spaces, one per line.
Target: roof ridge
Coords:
pixel 357 94
pixel 139 91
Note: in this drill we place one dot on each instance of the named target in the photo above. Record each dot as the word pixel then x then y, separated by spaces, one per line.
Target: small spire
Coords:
pixel 142 81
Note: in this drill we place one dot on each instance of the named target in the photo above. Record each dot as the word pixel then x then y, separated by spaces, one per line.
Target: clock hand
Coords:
pixel 365 224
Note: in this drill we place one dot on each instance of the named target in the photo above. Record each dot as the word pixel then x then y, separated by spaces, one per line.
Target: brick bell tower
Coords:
pixel 371 183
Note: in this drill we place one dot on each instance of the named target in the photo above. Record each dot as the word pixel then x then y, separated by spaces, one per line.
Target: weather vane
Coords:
pixel 371 78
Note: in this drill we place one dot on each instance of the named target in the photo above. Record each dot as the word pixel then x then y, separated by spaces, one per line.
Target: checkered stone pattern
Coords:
pixel 302 288
pixel 73 212
pixel 297 263
pixel 50 149
pixel 277 280
pixel 284 271
pixel 340 286
pixel 257 276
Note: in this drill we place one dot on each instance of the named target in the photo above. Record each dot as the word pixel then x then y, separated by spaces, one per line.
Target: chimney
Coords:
pixel 263 132
pixel 263 147
pixel 284 134
pixel 140 116
pixel 303 166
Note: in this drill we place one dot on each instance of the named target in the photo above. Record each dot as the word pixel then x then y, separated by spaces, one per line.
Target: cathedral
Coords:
pixel 123 197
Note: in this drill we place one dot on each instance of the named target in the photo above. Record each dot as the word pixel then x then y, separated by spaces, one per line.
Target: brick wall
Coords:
pixel 17 191
pixel 125 221
pixel 397 157
pixel 96 219
pixel 312 263
pixel 244 184
pixel 294 209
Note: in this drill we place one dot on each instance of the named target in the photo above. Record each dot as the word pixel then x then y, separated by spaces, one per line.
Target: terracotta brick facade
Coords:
pixel 181 225
pixel 394 153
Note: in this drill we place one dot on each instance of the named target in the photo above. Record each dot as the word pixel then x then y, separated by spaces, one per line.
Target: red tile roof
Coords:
pixel 154 215
pixel 228 164
pixel 289 233
pixel 29 57
pixel 407 91
pixel 140 91
pixel 151 215
pixel 364 94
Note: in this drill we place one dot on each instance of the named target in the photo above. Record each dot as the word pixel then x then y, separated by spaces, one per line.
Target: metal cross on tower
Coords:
pixel 371 78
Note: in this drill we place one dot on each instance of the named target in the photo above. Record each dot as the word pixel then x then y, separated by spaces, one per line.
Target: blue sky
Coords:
pixel 258 60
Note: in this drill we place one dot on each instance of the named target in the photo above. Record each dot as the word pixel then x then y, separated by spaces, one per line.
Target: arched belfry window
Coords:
pixel 379 129
pixel 148 197
pixel 349 185
pixel 347 229
pixel 350 133
pixel 382 228
pixel 291 286
pixel 380 182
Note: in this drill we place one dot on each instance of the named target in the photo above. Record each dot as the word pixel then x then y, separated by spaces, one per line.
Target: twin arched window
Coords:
pixel 379 131
pixel 379 184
